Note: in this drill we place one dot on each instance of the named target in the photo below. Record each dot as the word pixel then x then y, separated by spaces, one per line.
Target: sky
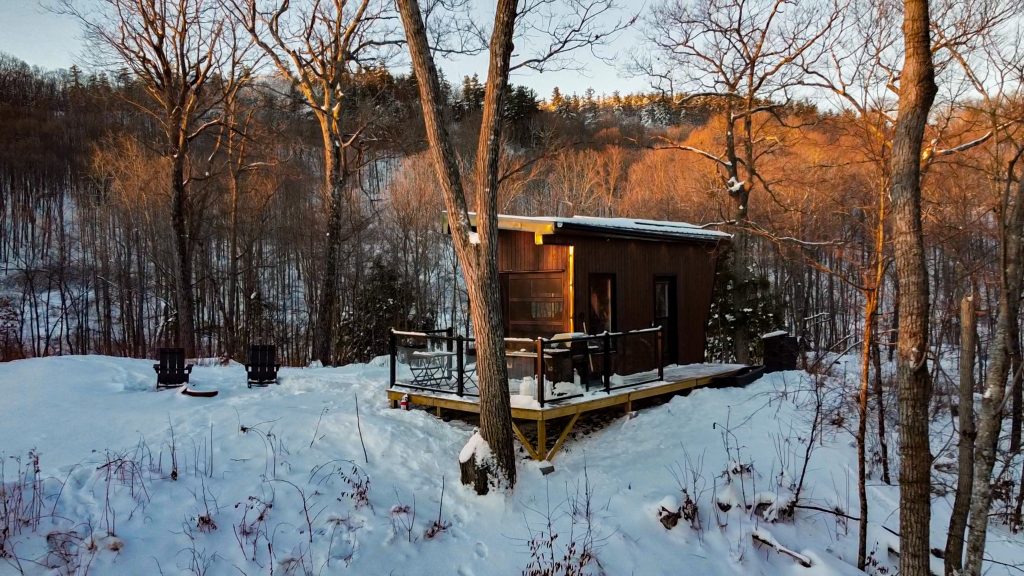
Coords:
pixel 42 38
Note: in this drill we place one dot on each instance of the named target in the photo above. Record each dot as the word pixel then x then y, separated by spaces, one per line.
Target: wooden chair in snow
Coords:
pixel 262 366
pixel 172 371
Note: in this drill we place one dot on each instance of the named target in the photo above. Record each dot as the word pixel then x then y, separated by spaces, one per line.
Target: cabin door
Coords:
pixel 666 315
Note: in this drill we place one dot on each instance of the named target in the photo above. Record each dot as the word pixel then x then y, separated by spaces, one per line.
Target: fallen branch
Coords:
pixel 765 538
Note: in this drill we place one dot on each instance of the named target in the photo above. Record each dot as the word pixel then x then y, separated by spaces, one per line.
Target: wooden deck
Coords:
pixel 525 410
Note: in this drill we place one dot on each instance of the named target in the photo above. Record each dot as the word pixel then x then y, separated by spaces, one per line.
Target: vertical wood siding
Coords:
pixel 635 264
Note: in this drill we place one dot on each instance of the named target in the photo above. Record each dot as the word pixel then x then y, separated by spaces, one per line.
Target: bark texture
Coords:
pixel 1000 357
pixel 479 260
pixel 917 92
pixel 184 294
pixel 965 416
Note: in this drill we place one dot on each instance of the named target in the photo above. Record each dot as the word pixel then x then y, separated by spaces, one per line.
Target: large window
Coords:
pixel 534 303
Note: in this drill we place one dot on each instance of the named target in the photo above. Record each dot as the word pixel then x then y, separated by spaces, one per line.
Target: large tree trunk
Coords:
pixel 184 294
pixel 479 260
pixel 992 402
pixel 917 92
pixel 965 414
pixel 230 339
pixel 328 303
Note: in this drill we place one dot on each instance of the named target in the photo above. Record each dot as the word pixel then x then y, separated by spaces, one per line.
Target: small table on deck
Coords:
pixel 431 367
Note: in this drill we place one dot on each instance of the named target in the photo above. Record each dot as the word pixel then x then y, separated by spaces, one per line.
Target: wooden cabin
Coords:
pixel 587 275
pixel 562 279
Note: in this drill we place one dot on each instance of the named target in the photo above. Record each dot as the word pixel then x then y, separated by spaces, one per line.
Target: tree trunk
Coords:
pixel 1017 405
pixel 965 414
pixel 231 316
pixel 917 92
pixel 328 304
pixel 869 348
pixel 478 260
pixel 883 439
pixel 894 330
pixel 870 308
pixel 184 294
pixel 992 402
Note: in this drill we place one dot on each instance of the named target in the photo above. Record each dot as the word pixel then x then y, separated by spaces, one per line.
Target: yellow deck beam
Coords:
pixel 561 437
pixel 526 442
pixel 551 412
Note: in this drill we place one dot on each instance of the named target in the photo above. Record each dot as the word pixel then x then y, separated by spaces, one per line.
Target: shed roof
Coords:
pixel 628 228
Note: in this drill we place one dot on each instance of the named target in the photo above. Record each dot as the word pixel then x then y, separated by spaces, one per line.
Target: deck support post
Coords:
pixel 542 438
pixel 539 369
pixel 606 368
pixel 460 370
pixel 561 437
pixel 393 355
pixel 525 442
pixel 661 358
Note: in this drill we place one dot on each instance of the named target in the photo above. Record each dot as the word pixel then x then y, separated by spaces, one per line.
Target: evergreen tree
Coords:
pixel 384 300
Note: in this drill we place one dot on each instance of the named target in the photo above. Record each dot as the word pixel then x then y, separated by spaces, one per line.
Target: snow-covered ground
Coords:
pixel 275 480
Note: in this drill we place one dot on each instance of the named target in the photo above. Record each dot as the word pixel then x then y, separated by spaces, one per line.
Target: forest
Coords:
pixel 87 241
pixel 280 173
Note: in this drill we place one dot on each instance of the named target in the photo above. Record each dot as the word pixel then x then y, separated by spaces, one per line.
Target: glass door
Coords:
pixel 666 316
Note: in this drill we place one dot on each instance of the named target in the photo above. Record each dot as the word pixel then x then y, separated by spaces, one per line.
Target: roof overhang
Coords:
pixel 559 230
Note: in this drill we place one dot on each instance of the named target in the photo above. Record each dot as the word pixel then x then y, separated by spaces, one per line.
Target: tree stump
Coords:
pixel 475 475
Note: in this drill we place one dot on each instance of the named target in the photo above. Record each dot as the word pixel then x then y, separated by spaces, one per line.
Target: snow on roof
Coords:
pixel 638 227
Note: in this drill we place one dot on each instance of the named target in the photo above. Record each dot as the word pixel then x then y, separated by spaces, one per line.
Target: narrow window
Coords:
pixel 601 314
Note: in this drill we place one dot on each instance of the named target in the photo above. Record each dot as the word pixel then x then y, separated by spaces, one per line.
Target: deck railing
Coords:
pixel 547 369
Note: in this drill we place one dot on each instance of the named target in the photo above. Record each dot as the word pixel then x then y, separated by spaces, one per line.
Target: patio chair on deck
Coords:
pixel 579 355
pixel 262 366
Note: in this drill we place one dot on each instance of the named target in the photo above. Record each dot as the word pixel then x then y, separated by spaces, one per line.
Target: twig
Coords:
pixel 359 427
pixel 842 515
pixel 317 429
pixel 441 505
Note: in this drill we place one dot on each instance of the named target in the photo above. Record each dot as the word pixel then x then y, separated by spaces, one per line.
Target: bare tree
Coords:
pixel 742 53
pixel 317 47
pixel 174 48
pixel 477 252
pixel 917 92
pixel 965 470
pixel 990 420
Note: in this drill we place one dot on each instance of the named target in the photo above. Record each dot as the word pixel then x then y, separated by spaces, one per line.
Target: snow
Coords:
pixel 474 238
pixel 477 448
pixel 662 227
pixel 774 334
pixel 299 446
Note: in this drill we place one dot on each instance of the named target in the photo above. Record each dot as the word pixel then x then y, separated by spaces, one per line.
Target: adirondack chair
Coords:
pixel 172 370
pixel 262 366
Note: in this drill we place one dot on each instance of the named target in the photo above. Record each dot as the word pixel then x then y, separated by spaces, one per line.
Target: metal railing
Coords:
pixel 445 362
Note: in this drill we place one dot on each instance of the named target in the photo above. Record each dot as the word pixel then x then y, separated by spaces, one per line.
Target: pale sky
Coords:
pixel 42 38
